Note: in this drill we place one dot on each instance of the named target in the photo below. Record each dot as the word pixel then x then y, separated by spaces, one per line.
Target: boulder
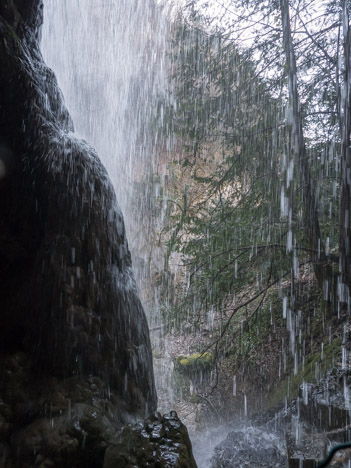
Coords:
pixel 160 441
pixel 250 446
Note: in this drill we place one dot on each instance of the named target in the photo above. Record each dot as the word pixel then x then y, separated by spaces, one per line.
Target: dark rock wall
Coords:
pixel 75 355
pixel 68 298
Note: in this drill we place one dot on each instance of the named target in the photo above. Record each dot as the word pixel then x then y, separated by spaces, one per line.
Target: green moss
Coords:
pixel 197 362
pixel 289 387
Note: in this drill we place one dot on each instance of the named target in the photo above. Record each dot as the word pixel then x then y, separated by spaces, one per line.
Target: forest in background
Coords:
pixel 248 211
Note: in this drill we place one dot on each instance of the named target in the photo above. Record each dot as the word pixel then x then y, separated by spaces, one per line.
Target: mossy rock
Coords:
pixel 194 363
pixel 289 387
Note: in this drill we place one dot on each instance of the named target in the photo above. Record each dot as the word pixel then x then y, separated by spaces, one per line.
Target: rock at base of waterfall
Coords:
pixel 161 441
pixel 250 446
pixel 49 422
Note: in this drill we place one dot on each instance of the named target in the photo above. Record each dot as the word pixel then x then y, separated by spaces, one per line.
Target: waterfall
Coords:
pixel 109 60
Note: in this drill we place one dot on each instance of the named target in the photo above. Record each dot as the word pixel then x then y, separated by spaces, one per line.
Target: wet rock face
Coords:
pixel 250 446
pixel 72 423
pixel 68 299
pixel 75 355
pixel 22 15
pixel 50 422
pixel 161 441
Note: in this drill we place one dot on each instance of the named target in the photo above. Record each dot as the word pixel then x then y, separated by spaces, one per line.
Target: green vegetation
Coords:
pixel 252 188
pixel 312 371
pixel 237 214
pixel 194 363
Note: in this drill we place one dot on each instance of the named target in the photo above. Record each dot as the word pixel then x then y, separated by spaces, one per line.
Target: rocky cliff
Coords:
pixel 75 354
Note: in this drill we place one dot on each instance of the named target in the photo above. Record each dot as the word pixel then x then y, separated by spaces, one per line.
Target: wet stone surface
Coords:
pixel 250 447
pixel 45 421
pixel 161 441
pixel 299 433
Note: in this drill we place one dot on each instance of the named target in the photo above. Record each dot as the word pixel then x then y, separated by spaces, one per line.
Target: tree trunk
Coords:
pixel 322 268
pixel 345 196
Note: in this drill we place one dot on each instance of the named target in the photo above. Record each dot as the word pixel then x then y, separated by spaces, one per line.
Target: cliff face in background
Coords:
pixel 75 355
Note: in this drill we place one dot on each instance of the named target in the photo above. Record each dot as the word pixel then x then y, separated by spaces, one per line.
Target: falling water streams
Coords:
pixel 108 58
pixel 110 61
